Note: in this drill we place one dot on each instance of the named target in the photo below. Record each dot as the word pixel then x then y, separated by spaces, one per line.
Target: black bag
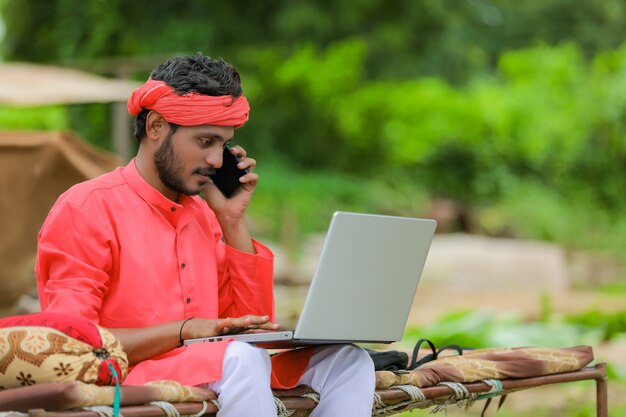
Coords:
pixel 390 360
pixel 396 361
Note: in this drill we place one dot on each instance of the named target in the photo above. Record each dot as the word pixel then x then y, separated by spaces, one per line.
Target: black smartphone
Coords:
pixel 227 177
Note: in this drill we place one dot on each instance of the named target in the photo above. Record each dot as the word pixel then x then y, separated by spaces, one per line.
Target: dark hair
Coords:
pixel 193 73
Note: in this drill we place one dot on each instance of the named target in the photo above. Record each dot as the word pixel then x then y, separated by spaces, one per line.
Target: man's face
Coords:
pixel 187 157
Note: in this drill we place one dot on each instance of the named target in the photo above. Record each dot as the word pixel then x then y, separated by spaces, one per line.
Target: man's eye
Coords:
pixel 205 142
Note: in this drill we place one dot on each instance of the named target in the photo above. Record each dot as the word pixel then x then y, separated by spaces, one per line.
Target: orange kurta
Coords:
pixel 116 251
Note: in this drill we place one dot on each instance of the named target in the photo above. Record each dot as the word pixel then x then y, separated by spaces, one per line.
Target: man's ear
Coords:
pixel 156 125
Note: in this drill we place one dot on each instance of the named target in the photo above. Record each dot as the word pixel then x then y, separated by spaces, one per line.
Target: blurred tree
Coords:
pixel 405 38
pixel 471 98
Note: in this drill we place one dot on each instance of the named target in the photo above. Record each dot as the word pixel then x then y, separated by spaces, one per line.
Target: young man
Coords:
pixel 139 252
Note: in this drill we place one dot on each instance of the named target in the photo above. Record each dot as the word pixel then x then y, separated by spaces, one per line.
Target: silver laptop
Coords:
pixel 363 286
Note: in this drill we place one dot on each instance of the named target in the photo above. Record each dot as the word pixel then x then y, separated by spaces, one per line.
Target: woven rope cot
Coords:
pixel 387 402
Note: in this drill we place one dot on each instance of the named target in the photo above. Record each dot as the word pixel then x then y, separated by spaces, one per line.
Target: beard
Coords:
pixel 170 168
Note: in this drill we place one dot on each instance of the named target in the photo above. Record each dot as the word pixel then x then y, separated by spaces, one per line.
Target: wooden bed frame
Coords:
pixel 387 402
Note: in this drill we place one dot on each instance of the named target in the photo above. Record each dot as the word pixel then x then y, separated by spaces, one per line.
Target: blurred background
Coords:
pixel 505 121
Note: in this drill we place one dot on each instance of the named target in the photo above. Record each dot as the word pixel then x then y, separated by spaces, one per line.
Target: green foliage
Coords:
pixel 517 109
pixel 611 324
pixel 533 123
pixel 34 118
pixel 616 373
pixel 92 122
pixel 618 289
pixel 305 88
pixel 303 201
pixel 406 38
pixel 574 218
pixel 482 329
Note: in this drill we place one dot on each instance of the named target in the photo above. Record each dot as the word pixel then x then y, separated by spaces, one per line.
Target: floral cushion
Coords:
pixel 53 347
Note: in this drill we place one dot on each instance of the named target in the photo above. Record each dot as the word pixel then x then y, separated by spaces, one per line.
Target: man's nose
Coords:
pixel 215 158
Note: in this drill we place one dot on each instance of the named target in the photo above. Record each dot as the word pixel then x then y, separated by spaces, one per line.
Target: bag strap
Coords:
pixel 414 362
pixel 431 356
pixel 457 348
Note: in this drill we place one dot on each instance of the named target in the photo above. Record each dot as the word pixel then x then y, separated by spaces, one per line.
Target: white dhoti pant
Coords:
pixel 343 376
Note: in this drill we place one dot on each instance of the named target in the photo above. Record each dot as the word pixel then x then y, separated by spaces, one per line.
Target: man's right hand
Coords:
pixel 198 327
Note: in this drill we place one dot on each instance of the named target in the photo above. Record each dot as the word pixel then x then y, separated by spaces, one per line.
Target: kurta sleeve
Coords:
pixel 246 281
pixel 75 256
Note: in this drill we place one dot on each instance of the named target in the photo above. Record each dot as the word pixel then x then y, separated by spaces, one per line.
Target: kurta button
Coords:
pixel 188 300
pixel 183 265
pixel 173 209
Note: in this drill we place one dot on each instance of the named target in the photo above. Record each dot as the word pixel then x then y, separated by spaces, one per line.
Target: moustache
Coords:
pixel 205 171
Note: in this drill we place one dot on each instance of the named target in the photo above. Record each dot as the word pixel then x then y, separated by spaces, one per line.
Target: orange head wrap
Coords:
pixel 191 109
